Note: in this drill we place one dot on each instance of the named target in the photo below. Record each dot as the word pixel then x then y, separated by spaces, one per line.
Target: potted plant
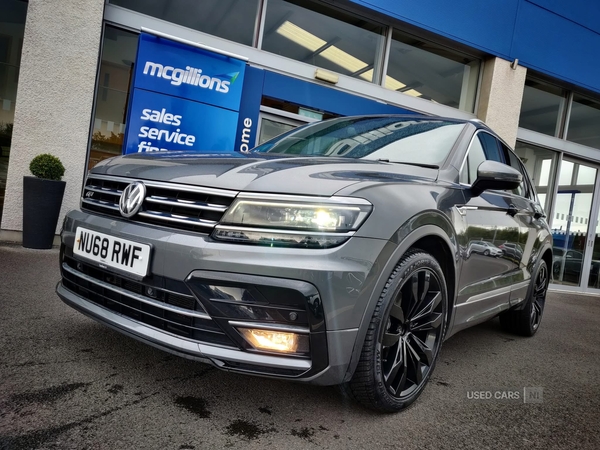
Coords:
pixel 42 199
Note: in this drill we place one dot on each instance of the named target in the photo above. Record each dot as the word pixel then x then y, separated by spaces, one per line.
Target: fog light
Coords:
pixel 271 340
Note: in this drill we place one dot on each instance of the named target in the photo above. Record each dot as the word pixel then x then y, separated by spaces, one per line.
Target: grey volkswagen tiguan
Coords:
pixel 337 253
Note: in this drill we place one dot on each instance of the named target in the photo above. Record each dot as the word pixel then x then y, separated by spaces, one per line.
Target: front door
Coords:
pixel 489 270
pixel 491 241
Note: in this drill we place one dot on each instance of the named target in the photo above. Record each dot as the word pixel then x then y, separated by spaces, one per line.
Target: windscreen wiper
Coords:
pixel 427 166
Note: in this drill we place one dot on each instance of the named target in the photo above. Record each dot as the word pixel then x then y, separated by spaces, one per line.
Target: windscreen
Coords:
pixel 392 139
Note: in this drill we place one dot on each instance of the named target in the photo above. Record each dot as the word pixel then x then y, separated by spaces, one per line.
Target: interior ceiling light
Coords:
pixel 337 56
pixel 412 93
pixel 393 84
pixel 300 36
pixel 311 42
pixel 368 75
pixel 343 59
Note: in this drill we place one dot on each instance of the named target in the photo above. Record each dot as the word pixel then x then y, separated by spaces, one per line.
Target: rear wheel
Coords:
pixel 527 320
pixel 404 336
pixel 556 270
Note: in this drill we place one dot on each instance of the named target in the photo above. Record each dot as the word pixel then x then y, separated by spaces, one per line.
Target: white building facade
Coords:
pixel 66 66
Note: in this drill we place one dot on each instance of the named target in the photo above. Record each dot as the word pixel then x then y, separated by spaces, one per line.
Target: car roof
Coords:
pixel 477 123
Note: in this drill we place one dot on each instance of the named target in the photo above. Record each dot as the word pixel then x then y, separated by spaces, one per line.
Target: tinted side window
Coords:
pixel 483 146
pixel 515 163
pixel 475 157
pixel 530 190
pixel 491 147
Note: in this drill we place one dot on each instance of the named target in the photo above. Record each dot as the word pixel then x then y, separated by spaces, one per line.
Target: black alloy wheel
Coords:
pixel 539 296
pixel 404 337
pixel 556 269
pixel 526 321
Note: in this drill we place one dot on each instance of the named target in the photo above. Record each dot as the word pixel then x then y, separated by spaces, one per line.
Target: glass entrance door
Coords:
pixel 271 126
pixel 273 122
pixel 593 269
pixel 572 227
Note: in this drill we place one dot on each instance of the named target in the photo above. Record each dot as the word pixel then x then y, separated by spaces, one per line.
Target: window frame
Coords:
pixel 475 135
pixel 349 17
pixel 530 193
pixel 576 97
pixel 284 117
pixel 564 107
pixel 256 21
pixel 470 88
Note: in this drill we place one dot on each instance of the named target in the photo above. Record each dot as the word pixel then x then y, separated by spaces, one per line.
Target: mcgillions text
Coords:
pixel 189 75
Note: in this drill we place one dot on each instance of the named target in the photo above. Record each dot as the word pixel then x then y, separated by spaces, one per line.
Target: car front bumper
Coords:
pixel 326 290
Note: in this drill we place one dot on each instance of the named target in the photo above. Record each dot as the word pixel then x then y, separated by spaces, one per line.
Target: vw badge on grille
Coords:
pixel 132 199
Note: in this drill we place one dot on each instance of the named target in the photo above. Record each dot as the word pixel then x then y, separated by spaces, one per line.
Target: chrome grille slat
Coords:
pixel 173 205
pixel 163 319
pixel 192 189
pixel 103 190
pixel 101 203
pixel 114 298
pixel 183 220
pixel 185 203
pixel 134 296
pixel 165 185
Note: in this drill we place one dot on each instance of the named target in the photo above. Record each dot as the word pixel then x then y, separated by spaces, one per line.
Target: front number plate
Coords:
pixel 122 254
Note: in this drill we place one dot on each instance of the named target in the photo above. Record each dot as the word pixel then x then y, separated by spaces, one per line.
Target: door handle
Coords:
pixel 512 210
pixel 462 210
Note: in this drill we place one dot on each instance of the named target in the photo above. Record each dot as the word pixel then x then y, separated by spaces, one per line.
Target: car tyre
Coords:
pixel 526 321
pixel 486 253
pixel 404 337
pixel 556 269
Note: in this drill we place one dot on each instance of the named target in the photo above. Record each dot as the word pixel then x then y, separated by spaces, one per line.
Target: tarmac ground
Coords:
pixel 68 382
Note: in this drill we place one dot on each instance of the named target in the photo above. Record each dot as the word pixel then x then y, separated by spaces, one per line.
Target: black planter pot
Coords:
pixel 41 206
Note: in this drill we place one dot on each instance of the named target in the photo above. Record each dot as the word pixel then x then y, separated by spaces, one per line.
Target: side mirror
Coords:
pixel 495 175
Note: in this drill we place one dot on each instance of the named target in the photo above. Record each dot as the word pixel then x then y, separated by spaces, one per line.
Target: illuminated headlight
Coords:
pixel 296 215
pixel 300 223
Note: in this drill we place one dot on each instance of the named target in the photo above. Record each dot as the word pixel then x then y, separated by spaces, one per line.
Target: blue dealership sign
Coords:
pixel 183 98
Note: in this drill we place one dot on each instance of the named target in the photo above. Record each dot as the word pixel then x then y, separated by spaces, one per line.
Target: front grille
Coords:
pixel 178 313
pixel 168 204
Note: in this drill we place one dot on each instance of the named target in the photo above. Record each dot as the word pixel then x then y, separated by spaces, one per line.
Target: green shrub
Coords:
pixel 47 166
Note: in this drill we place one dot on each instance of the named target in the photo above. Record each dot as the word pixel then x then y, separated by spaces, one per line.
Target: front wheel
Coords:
pixel 404 336
pixel 527 320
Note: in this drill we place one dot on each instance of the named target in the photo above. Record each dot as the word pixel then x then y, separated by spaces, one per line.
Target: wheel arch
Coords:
pixel 547 256
pixel 441 243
